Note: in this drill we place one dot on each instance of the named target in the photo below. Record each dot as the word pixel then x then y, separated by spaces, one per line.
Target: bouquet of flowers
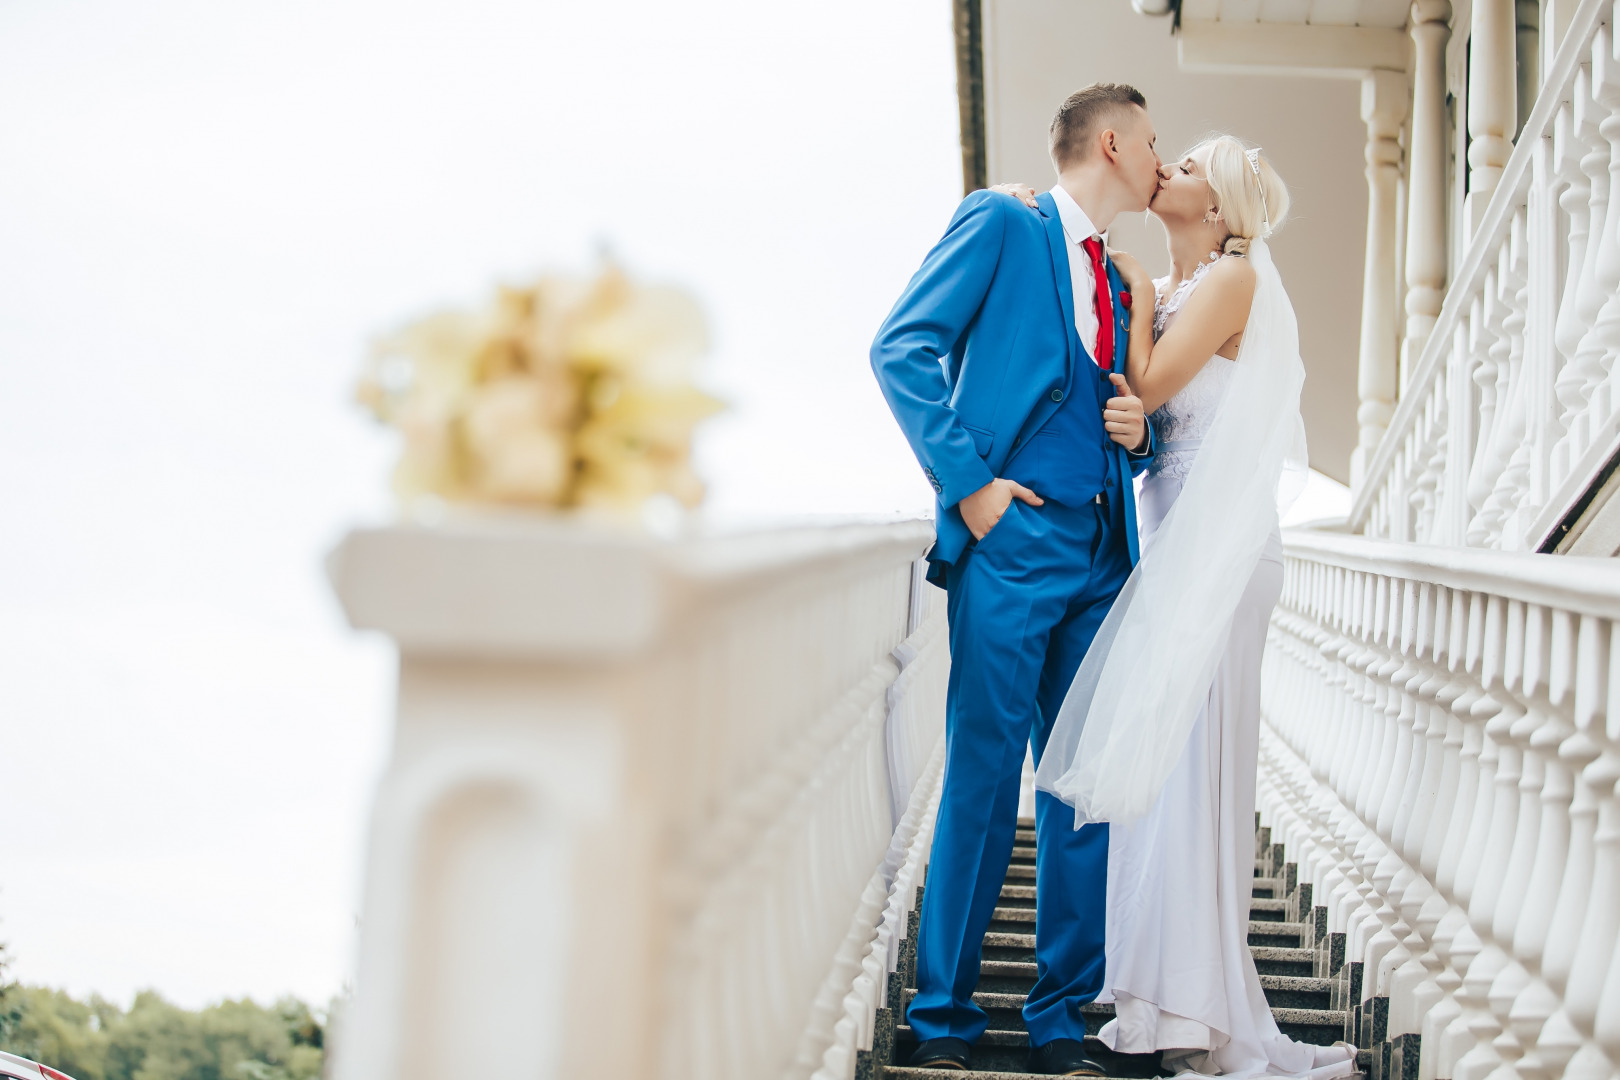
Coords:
pixel 569 392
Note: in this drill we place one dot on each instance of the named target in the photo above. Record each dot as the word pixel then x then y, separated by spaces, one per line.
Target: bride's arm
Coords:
pixel 1139 346
pixel 1217 309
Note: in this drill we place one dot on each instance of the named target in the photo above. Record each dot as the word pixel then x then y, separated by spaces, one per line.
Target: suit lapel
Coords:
pixel 1059 245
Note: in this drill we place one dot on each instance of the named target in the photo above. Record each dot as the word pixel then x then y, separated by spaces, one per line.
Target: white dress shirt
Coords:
pixel 1077 228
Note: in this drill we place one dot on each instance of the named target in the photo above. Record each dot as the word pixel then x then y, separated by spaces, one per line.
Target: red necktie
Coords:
pixel 1104 304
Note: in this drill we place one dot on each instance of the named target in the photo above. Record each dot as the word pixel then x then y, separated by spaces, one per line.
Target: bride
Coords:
pixel 1159 733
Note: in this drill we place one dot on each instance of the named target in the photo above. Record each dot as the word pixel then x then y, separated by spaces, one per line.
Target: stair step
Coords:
pixel 1016 1001
pixel 1007 976
pixel 997 1052
pixel 905 1072
pixel 1018 896
pixel 1014 915
pixel 1282 991
pixel 1269 888
pixel 1296 992
pixel 1321 1027
pixel 1267 909
pixel 1285 934
pixel 1006 1011
pixel 1008 971
pixel 1274 960
pixel 1017 948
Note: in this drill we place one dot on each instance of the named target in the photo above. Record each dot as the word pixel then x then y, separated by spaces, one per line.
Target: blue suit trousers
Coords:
pixel 1023 604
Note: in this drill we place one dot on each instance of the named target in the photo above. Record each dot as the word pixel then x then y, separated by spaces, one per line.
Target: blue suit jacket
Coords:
pixel 980 350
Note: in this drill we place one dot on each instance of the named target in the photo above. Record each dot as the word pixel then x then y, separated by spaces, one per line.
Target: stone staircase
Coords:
pixel 1301 968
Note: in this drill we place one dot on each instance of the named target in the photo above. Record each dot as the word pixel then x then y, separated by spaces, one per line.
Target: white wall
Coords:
pixel 1039 51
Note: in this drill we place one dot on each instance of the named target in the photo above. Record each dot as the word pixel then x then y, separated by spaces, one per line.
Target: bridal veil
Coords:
pixel 1134 701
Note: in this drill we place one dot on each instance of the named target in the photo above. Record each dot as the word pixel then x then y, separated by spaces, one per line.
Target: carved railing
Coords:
pixel 654 809
pixel 1439 756
pixel 1510 414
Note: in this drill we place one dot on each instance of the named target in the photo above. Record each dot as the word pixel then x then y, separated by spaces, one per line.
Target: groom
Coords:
pixel 1002 363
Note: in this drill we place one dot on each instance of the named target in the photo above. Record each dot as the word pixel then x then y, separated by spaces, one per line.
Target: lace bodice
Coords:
pixel 1188 415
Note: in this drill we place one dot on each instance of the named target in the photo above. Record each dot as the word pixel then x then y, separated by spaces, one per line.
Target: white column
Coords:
pixel 1493 112
pixel 1426 179
pixel 1383 109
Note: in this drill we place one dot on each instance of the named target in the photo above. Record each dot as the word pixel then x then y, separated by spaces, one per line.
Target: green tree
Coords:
pixel 10 999
pixel 157 1040
pixel 62 1031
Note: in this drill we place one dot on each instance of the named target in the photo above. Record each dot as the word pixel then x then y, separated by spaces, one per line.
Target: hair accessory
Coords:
pixel 1254 163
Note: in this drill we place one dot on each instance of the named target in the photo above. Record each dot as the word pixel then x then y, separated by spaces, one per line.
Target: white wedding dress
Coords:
pixel 1180 879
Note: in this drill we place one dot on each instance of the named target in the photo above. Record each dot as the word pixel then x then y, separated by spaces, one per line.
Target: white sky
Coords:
pixel 206 210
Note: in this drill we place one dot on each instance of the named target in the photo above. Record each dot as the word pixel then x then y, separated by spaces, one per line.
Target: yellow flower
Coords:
pixel 566 392
pixel 655 333
pixel 514 454
pixel 639 445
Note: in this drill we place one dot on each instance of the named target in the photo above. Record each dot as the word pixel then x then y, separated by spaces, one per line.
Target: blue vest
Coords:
pixel 1060 461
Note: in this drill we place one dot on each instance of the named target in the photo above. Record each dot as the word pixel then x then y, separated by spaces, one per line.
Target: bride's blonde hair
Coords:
pixel 1249 195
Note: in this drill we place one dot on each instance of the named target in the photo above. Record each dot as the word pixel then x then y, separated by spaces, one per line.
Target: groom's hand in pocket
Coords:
pixel 982 509
pixel 1123 417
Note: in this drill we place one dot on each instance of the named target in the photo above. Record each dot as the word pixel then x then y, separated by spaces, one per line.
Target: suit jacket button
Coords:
pixel 1057 395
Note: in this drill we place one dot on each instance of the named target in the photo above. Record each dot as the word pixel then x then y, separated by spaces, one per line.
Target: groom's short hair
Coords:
pixel 1083 114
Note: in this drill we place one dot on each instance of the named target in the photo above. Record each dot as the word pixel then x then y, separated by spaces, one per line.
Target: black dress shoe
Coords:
pixel 1064 1057
pixel 946 1053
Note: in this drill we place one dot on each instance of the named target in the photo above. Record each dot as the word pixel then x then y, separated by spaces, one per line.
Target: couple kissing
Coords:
pixel 1037 374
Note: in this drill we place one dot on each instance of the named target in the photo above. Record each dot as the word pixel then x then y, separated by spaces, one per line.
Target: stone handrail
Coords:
pixel 654 808
pixel 1509 415
pixel 1439 756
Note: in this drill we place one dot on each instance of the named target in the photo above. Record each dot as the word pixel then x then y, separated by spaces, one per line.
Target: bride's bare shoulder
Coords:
pixel 1234 274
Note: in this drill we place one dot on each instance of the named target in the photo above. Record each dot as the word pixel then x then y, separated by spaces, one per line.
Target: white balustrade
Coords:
pixel 1509 413
pixel 654 808
pixel 1440 755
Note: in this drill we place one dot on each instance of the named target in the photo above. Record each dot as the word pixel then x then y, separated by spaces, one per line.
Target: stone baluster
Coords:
pixel 1413 990
pixel 1570 145
pixel 1399 708
pixel 1524 1002
pixel 1606 1024
pixel 1511 451
pixel 1451 518
pixel 1543 256
pixel 1585 369
pixel 1455 943
pixel 1467 947
pixel 1383 709
pixel 1490 350
pixel 1485 915
pixel 1594 962
pixel 1429 447
pixel 1450 611
pixel 1428 729
pixel 1560 1039
pixel 1606 330
pixel 1495 842
pixel 1363 661
pixel 1384 102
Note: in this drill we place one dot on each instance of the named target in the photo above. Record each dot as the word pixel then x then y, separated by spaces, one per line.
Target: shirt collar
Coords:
pixel 1076 225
